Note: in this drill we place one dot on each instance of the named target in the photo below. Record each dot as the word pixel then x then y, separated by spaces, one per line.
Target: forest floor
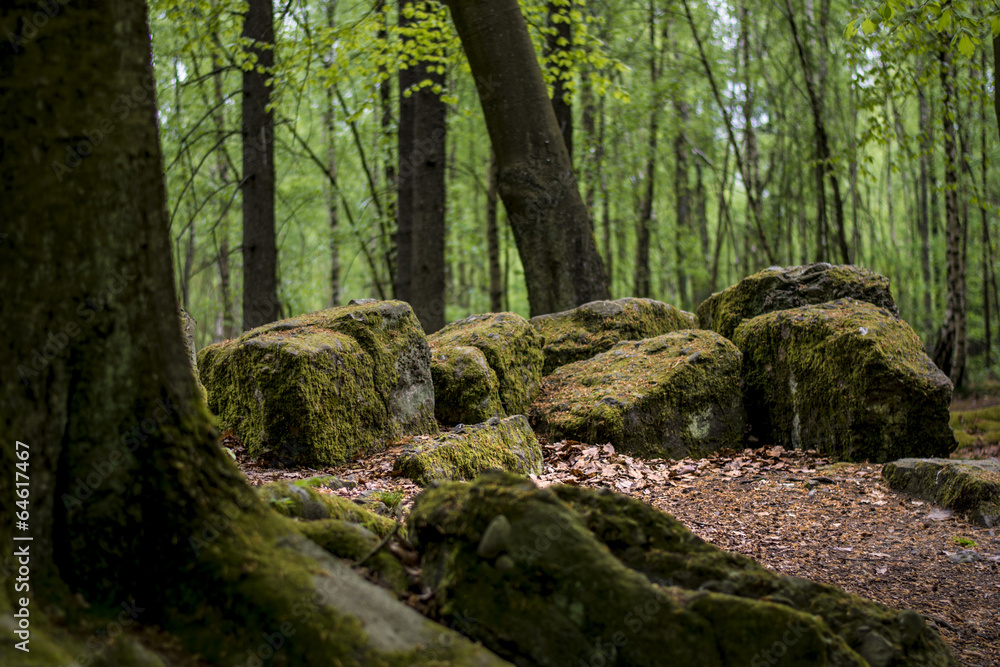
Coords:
pixel 795 513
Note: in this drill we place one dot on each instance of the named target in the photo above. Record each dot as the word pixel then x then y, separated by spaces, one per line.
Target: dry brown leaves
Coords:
pixel 791 511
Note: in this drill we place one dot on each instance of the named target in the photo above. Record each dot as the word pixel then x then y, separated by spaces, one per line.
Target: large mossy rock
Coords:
pixel 780 288
pixel 571 576
pixel 466 389
pixel 507 444
pixel 324 388
pixel 846 378
pixel 970 487
pixel 672 396
pixel 595 327
pixel 511 347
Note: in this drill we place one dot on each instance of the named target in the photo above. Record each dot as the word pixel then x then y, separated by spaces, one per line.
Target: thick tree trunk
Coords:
pixel 949 353
pixel 547 215
pixel 493 238
pixel 260 254
pixel 131 502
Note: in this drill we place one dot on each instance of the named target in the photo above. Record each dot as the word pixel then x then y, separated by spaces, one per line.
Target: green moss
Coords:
pixel 323 388
pixel 778 288
pixel 466 389
pixel 846 378
pixel 303 502
pixel 967 486
pixel 565 575
pixel 977 427
pixel 513 349
pixel 674 395
pixel 596 327
pixel 354 542
pixel 508 445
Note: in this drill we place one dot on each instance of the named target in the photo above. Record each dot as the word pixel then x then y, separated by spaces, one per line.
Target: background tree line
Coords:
pixel 322 151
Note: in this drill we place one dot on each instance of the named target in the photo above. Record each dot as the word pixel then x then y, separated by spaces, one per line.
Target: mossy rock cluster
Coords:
pixel 970 487
pixel 507 444
pixel 671 396
pixel 570 576
pixel 324 388
pixel 512 350
pixel 595 327
pixel 779 288
pixel 847 378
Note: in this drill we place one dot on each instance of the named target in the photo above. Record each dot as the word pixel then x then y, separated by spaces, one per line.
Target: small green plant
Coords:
pixel 392 499
pixel 963 541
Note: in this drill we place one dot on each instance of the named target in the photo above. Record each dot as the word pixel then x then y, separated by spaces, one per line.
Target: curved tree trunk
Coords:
pixel 130 500
pixel 562 268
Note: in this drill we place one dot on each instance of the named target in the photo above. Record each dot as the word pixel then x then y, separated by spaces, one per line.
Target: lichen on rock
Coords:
pixel 971 487
pixel 847 378
pixel 321 389
pixel 468 450
pixel 781 288
pixel 671 396
pixel 512 348
pixel 565 575
pixel 595 327
pixel 466 389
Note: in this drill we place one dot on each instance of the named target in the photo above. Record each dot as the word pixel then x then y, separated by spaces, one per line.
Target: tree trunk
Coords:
pixel 332 196
pixel 949 353
pixel 547 215
pixel 260 254
pixel 923 214
pixel 825 167
pixel 493 239
pixel 987 256
pixel 557 47
pixel 388 214
pixel 404 178
pixel 427 164
pixel 127 478
pixel 642 275
pixel 222 176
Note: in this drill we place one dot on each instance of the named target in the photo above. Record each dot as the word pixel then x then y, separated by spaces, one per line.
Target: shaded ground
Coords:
pixel 793 512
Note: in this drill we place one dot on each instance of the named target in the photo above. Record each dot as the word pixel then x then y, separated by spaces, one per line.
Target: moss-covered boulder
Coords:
pixel 300 500
pixel 595 327
pixel 323 388
pixel 507 444
pixel 671 396
pixel 512 348
pixel 466 389
pixel 780 288
pixel 355 543
pixel 570 576
pixel 846 378
pixel 971 487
